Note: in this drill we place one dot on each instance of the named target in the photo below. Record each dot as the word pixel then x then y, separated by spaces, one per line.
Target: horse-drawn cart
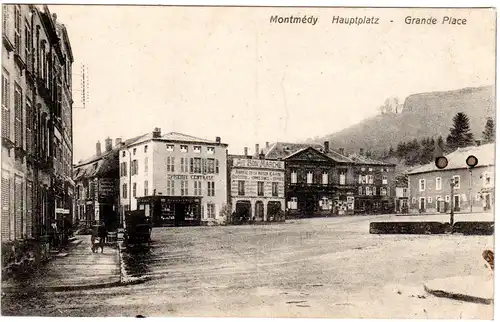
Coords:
pixel 137 228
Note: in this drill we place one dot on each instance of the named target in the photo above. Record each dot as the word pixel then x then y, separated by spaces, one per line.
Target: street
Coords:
pixel 329 267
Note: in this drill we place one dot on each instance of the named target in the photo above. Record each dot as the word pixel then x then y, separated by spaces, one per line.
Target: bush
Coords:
pixel 418 228
pixel 474 227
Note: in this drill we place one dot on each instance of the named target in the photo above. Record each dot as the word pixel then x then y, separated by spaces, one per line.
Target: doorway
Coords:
pixel 456 202
pixel 259 210
pixel 487 201
pixel 422 204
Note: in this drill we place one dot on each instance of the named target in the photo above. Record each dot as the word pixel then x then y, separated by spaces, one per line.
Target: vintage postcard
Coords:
pixel 245 161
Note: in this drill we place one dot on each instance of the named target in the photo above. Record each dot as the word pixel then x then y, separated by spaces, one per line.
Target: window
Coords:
pixel 241 188
pixel 146 192
pixel 211 210
pixel 370 169
pixel 360 179
pixel 216 166
pixel 145 149
pixel 368 191
pixel 260 188
pixel 384 179
pixel 211 165
pixel 124 191
pixel 421 185
pixel 210 188
pixel 324 179
pixel 364 179
pixel 324 203
pixel 171 187
pixel 170 147
pixel 184 148
pixel 293 203
pixel 275 189
pixel 360 191
pixel 457 181
pixel 204 165
pixel 5 19
pixel 170 164
pixel 18 116
pixel 134 189
pixel 123 154
pixel 5 103
pixel 197 149
pixel 293 177
pixel 134 151
pixel 123 169
pixel 210 150
pixel 383 191
pixel 438 183
pixel 17 29
pixel 184 165
pixel 370 179
pixel 195 165
pixel 146 161
pixel 135 167
pixel 429 199
pixel 184 188
pixel 197 188
pixel 342 177
pixel 309 177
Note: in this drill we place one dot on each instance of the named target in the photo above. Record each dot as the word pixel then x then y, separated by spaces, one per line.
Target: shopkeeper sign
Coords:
pixel 263 164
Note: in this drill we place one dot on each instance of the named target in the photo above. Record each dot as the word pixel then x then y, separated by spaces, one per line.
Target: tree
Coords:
pixel 489 131
pixel 460 135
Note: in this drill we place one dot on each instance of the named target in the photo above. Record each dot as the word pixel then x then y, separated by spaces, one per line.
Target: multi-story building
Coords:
pixel 36 142
pixel 473 189
pixel 256 187
pixel 176 178
pixel 375 184
pixel 318 181
pixel 97 185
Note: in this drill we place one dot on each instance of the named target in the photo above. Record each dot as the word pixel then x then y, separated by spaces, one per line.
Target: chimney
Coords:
pixel 217 139
pixel 267 145
pixel 118 141
pixel 361 151
pixel 246 151
pixel 262 155
pixel 98 148
pixel 327 147
pixel 108 144
pixel 341 151
pixel 257 150
pixel 156 133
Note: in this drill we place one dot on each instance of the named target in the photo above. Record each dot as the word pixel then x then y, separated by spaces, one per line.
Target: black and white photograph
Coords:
pixel 248 161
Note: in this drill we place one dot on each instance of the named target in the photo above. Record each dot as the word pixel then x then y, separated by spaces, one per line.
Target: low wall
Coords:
pixel 433 227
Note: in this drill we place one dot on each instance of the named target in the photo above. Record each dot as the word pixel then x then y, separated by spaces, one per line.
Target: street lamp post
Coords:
pixel 470 188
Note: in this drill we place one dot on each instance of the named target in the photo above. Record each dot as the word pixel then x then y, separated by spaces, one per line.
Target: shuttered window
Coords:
pixel 18 116
pixel 5 105
pixel 19 210
pixel 5 207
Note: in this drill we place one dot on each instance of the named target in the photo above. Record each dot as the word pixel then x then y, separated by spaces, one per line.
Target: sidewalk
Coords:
pixel 78 269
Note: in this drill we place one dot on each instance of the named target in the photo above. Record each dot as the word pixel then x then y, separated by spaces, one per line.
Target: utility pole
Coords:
pixel 471 162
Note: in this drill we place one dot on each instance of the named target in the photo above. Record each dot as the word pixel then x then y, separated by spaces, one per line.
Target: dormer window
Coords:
pixel 197 149
pixel 210 150
pixel 135 150
pixel 170 147
pixel 145 149
pixel 184 148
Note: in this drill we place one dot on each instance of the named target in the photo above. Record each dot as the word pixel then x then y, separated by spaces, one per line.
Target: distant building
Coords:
pixel 430 189
pixel 375 184
pixel 176 178
pixel 256 187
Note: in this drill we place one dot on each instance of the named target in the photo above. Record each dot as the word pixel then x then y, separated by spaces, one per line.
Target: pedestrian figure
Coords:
pixel 102 236
pixel 93 238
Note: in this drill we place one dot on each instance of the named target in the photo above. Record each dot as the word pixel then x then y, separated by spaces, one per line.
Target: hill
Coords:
pixel 423 115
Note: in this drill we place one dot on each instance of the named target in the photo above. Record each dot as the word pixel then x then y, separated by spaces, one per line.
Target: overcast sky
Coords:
pixel 229 72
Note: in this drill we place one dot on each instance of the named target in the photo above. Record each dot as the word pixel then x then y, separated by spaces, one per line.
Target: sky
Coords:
pixel 229 72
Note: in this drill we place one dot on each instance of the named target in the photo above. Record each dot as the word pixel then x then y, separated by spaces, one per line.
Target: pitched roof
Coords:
pixel 485 155
pixel 281 150
pixel 361 159
pixel 175 136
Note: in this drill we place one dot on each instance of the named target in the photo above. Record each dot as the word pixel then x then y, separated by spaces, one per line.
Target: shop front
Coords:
pixel 169 211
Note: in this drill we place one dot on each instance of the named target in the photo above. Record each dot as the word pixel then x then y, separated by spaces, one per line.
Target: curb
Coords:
pixel 458 296
pixel 65 288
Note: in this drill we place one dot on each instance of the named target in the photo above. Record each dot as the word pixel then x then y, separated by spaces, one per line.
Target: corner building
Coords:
pixel 177 179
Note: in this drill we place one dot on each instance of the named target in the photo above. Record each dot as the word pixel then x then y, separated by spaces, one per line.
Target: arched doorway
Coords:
pixel 259 210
